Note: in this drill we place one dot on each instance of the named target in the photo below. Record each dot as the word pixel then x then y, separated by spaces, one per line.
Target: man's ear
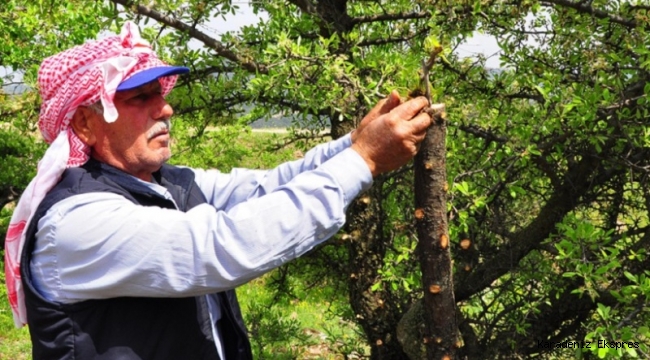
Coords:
pixel 83 124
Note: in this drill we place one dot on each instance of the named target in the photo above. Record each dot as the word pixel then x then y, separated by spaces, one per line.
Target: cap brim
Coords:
pixel 149 75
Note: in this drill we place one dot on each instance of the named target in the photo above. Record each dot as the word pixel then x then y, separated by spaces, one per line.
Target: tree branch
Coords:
pixel 375 42
pixel 194 33
pixel 578 181
pixel 585 7
pixel 391 17
pixel 306 6
pixel 483 133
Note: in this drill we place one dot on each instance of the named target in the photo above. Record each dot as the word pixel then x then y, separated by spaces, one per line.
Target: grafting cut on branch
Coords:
pixel 440 337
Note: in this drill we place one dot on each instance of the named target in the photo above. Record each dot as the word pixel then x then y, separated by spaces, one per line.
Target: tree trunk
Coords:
pixel 377 312
pixel 433 247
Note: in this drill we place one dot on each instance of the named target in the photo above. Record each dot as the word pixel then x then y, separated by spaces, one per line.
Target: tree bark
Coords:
pixel 377 312
pixel 431 187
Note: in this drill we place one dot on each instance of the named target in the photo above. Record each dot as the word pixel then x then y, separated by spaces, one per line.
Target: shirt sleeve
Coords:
pixel 224 191
pixel 101 245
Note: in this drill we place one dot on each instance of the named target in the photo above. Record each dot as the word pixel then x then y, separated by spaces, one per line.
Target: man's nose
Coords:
pixel 161 109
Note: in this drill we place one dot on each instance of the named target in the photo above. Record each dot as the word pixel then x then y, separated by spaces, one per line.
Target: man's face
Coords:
pixel 138 141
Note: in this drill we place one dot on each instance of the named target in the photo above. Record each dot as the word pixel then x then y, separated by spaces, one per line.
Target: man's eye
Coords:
pixel 146 96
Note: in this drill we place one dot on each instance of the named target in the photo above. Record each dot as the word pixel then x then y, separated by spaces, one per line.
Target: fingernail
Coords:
pixel 393 97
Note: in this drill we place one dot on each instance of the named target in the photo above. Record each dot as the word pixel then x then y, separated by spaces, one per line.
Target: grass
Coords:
pixel 14 343
pixel 305 326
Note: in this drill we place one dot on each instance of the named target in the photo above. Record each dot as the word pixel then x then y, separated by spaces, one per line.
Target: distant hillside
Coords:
pixel 275 122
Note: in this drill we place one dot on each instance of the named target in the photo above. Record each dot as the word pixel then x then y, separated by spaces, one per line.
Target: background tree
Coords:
pixel 29 32
pixel 547 156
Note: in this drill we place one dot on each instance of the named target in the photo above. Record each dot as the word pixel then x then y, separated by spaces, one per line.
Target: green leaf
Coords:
pixel 630 277
pixel 631 351
pixel 602 352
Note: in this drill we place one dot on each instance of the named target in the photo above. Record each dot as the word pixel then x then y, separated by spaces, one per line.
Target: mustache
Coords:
pixel 159 127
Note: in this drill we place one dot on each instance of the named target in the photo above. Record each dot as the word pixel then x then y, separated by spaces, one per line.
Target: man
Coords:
pixel 113 254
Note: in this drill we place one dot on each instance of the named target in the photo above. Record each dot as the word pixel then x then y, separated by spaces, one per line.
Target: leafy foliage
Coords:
pixel 31 31
pixel 547 155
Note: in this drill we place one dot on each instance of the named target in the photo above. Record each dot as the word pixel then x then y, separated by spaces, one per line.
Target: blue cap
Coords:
pixel 149 75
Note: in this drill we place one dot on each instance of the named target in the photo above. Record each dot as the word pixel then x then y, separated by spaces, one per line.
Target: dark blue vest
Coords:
pixel 128 327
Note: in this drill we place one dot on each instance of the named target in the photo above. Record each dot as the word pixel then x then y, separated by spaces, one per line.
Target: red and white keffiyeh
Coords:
pixel 80 76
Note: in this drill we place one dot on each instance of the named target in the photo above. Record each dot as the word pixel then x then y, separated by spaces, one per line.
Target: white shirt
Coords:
pixel 101 245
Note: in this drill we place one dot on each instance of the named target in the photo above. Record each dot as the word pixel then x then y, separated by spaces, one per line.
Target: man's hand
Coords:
pixel 392 139
pixel 383 107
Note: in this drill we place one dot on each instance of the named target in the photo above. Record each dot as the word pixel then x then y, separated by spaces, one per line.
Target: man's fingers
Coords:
pixel 419 137
pixel 377 109
pixel 420 123
pixel 384 106
pixel 410 108
pixel 393 101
